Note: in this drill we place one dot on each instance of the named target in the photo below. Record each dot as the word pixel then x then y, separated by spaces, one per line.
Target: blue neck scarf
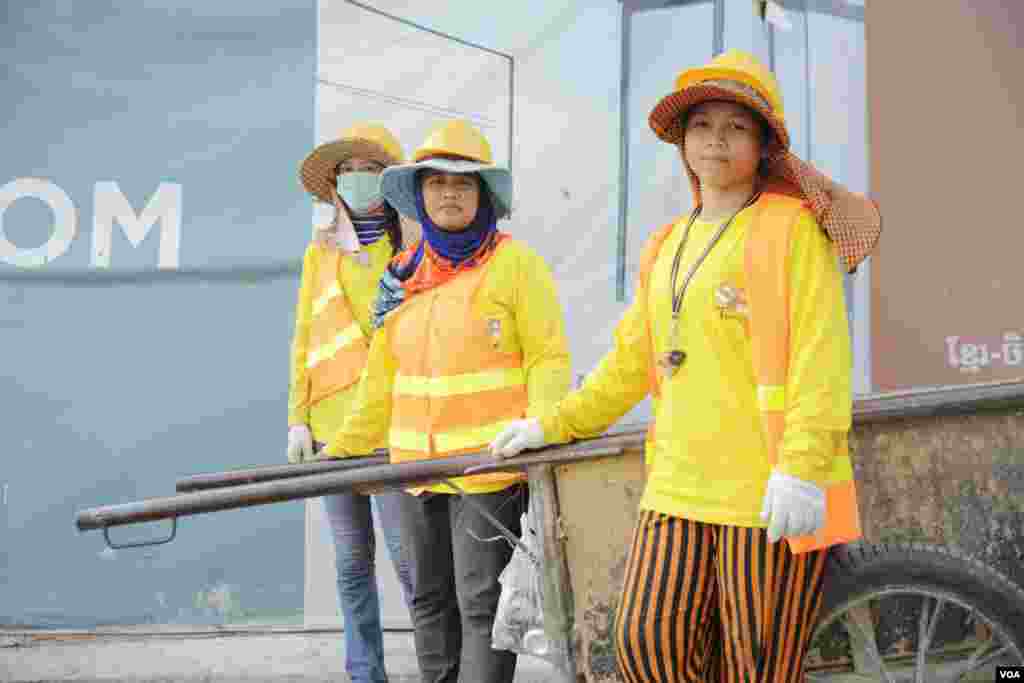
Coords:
pixel 369 229
pixel 458 246
pixel 454 246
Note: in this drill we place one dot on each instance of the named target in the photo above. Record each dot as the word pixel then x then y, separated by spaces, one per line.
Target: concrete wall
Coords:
pixel 946 141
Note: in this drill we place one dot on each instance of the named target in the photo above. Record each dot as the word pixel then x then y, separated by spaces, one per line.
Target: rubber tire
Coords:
pixel 857 569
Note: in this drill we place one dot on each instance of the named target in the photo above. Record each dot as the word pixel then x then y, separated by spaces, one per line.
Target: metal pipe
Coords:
pixel 964 399
pixel 266 492
pixel 334 477
pixel 254 475
pixel 398 475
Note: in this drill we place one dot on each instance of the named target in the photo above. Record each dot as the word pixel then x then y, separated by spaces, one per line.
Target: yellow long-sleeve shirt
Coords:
pixel 359 284
pixel 708 460
pixel 518 287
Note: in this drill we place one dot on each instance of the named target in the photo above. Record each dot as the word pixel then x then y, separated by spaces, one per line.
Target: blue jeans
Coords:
pixel 351 525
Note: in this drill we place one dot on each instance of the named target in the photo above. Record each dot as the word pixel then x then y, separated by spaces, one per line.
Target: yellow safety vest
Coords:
pixel 337 346
pixel 454 389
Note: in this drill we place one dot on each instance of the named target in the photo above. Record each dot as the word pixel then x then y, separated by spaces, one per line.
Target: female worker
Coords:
pixel 739 330
pixel 470 338
pixel 340 273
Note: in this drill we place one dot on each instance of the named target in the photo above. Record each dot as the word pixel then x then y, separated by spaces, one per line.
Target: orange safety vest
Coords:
pixel 337 347
pixel 765 257
pixel 454 389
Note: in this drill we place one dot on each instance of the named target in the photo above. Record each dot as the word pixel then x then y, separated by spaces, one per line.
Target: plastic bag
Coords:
pixel 519 622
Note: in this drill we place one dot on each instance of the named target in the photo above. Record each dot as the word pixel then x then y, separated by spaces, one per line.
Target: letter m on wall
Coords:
pixel 111 205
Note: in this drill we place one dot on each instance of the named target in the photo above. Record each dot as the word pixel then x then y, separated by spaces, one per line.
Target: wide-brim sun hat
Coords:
pixel 318 171
pixel 852 221
pixel 452 147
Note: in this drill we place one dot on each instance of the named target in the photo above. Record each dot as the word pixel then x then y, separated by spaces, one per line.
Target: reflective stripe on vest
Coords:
pixel 766 253
pixel 337 347
pixel 320 303
pixel 468 438
pixel 455 389
pixel 329 349
pixel 468 383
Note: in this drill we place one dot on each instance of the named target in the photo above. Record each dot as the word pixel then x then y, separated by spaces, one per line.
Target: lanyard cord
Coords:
pixel 677 297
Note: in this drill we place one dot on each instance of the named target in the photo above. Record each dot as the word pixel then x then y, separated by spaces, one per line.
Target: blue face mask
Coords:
pixel 360 190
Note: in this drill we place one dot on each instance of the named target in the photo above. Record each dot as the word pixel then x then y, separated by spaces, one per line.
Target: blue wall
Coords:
pixel 112 391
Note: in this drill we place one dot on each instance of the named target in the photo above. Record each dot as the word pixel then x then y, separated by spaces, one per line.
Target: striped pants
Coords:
pixel 715 604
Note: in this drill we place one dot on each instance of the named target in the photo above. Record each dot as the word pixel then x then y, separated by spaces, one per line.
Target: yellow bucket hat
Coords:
pixel 370 140
pixel 852 221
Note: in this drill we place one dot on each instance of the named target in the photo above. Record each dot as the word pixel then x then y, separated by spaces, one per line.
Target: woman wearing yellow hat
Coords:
pixel 340 273
pixel 739 331
pixel 470 338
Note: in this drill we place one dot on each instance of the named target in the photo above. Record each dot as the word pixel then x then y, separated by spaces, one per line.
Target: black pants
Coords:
pixel 455 585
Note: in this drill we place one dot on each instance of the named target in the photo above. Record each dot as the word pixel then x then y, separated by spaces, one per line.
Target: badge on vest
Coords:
pixel 494 330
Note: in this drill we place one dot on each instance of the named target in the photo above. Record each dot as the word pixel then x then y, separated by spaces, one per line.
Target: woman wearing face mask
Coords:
pixel 340 273
pixel 469 337
pixel 739 332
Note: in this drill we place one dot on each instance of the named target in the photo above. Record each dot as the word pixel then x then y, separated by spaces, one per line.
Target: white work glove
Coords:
pixel 300 443
pixel 518 437
pixel 792 507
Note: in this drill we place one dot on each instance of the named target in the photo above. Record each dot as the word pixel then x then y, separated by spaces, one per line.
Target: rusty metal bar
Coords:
pixel 866 410
pixel 254 475
pixel 267 492
pixel 598 451
pixel 397 475
pixel 936 401
pixel 557 587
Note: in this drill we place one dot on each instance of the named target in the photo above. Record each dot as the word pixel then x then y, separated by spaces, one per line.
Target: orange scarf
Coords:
pixel 435 270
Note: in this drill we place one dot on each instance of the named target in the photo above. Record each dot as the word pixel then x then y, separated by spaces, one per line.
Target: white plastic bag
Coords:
pixel 519 622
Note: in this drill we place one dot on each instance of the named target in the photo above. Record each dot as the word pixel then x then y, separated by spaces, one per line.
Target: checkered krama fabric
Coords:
pixel 668 118
pixel 852 221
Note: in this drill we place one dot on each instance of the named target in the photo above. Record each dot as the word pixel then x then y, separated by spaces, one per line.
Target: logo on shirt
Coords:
pixel 731 302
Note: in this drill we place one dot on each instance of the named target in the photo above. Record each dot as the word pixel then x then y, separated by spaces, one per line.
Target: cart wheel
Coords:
pixel 910 612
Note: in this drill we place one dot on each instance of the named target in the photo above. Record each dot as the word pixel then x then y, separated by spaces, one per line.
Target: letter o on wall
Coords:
pixel 65 222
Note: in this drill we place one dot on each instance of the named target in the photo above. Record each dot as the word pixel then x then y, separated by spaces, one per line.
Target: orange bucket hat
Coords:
pixel 852 221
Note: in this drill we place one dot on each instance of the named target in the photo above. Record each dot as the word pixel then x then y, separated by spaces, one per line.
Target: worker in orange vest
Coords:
pixel 739 331
pixel 470 337
pixel 340 272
